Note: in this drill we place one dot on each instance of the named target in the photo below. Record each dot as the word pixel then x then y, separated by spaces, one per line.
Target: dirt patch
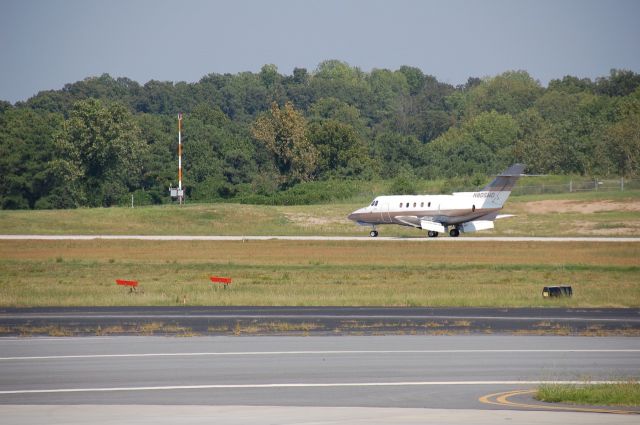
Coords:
pixel 308 220
pixel 565 206
pixel 610 229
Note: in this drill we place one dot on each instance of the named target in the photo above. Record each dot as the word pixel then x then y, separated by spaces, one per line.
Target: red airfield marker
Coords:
pixel 224 280
pixel 132 284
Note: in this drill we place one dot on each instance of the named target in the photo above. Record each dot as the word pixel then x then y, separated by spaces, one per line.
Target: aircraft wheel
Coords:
pixel 432 234
pixel 373 233
pixel 454 233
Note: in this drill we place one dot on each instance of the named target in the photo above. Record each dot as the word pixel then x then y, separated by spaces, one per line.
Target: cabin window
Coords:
pixel 421 204
pixel 414 205
pixel 400 204
pixel 407 205
pixel 429 204
pixel 473 208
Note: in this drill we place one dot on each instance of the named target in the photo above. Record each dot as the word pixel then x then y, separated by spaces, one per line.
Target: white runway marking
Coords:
pixel 315 238
pixel 300 385
pixel 328 352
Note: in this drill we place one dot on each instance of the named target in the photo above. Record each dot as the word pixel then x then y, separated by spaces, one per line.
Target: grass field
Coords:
pixel 403 273
pixel 575 214
pixel 622 394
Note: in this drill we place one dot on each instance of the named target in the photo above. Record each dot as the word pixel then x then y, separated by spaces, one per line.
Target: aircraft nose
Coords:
pixel 355 216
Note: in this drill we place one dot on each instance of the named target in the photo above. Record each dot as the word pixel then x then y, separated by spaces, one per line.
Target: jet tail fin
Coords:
pixel 506 180
pixel 495 194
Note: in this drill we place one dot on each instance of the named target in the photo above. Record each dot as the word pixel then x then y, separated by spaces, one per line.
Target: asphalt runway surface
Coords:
pixel 208 320
pixel 392 379
pixel 317 238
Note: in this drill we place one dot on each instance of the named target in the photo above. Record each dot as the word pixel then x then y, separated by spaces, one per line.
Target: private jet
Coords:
pixel 464 212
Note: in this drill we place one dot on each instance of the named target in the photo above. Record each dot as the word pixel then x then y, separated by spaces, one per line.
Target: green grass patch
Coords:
pixel 316 273
pixel 616 394
pixel 576 214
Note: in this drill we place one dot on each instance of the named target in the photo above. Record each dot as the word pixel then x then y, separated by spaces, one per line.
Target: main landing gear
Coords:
pixel 454 233
pixel 373 233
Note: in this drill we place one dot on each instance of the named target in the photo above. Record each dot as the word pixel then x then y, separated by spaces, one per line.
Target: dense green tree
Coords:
pixel 537 144
pixel 619 83
pixel 427 114
pixel 341 151
pixel 397 152
pixel 244 96
pixel 160 160
pixel 337 79
pixel 482 145
pixel 387 90
pixel 297 88
pixel 392 123
pixel 414 78
pixel 100 151
pixel 572 85
pixel 283 131
pixel 508 93
pixel 623 141
pixel 335 109
pixel 26 148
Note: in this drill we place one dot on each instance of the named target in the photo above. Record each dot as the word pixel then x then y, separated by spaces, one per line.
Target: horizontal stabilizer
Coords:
pixel 499 216
pixel 432 226
pixel 474 226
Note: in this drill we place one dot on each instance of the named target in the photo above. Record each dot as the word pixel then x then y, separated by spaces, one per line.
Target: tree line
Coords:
pixel 252 136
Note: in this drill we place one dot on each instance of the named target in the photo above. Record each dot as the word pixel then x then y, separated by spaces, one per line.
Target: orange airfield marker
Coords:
pixel 132 284
pixel 224 280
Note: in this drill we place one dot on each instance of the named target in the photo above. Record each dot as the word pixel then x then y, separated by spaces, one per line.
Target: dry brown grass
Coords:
pixel 318 253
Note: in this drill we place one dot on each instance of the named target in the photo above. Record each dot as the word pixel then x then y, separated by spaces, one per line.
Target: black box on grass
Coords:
pixel 557 291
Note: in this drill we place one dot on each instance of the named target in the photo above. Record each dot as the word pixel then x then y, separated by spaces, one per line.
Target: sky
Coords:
pixel 45 44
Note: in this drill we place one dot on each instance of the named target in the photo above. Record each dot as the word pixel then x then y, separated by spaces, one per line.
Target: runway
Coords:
pixel 395 379
pixel 317 238
pixel 220 320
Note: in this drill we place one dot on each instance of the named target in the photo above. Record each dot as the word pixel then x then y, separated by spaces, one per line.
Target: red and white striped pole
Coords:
pixel 180 196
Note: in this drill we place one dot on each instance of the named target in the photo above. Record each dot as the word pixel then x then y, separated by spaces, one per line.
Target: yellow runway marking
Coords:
pixel 502 399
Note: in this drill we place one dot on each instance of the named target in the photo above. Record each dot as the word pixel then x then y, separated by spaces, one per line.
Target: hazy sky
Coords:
pixel 45 44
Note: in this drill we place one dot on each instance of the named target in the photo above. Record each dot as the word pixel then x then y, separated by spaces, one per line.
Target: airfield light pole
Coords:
pixel 180 192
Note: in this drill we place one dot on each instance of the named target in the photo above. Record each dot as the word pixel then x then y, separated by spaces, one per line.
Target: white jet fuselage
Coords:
pixel 411 210
pixel 461 211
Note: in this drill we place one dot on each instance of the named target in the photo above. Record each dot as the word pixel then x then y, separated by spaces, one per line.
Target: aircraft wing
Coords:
pixel 408 220
pixel 494 216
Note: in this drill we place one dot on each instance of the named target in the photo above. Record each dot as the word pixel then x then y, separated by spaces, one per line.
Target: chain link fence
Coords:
pixel 592 185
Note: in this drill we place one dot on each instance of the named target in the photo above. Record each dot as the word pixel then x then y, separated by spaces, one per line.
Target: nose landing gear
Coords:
pixel 373 233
